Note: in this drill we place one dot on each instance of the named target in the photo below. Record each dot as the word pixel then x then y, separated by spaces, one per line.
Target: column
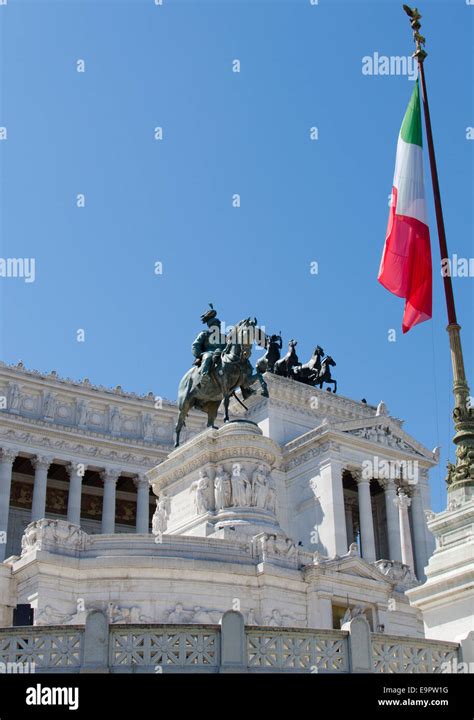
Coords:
pixel 76 473
pixel 332 530
pixel 41 464
pixel 393 524
pixel 419 533
pixel 6 463
pixel 367 537
pixel 109 477
pixel 423 485
pixel 319 604
pixel 349 523
pixel 325 610
pixel 402 501
pixel 143 493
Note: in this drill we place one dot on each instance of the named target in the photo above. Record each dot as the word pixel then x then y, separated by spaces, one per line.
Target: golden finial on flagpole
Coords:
pixel 415 18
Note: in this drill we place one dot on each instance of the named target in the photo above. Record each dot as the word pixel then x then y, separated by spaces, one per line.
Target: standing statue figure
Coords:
pixel 161 514
pixel 81 412
pixel 270 503
pixel 49 404
pixel 259 486
pixel 200 489
pixel 147 426
pixel 114 420
pixel 218 371
pixel 14 398
pixel 273 345
pixel 241 487
pixel 208 345
pixel 222 488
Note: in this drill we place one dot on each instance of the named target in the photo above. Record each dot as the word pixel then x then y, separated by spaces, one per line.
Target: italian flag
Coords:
pixel 405 268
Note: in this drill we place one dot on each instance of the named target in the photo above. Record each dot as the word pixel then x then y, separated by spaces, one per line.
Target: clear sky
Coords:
pixel 226 133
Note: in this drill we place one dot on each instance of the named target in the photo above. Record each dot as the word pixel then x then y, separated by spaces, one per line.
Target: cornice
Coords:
pixel 62 445
pixel 22 374
pixel 298 396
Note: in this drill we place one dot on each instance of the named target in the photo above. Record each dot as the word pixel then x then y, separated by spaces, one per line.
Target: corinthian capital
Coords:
pixel 402 501
pixel 8 454
pixel 76 468
pixel 388 484
pixel 140 481
pixel 110 475
pixel 42 462
pixel 356 474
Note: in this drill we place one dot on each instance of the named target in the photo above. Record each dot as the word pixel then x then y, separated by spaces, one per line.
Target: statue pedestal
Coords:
pixel 446 599
pixel 219 484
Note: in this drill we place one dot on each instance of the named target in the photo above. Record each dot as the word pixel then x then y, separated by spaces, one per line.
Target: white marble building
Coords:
pixel 308 511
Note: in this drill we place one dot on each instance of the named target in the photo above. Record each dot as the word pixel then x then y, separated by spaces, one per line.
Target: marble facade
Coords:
pixel 307 507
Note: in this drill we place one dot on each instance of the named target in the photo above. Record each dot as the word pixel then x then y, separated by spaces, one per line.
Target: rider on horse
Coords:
pixel 208 345
pixel 207 349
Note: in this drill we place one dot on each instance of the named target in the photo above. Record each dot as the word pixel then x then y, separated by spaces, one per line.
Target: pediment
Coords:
pixel 386 432
pixel 357 567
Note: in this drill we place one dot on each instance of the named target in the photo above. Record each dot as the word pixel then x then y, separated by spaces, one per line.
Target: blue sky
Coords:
pixel 170 201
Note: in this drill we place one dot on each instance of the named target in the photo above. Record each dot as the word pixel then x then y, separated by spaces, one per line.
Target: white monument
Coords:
pixel 289 513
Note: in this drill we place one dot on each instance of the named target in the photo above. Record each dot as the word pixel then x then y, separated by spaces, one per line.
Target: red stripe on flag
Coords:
pixel 405 268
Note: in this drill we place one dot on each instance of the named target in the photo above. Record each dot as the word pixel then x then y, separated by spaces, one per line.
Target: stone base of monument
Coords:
pixel 446 599
pixel 219 483
pixel 64 573
pixel 220 542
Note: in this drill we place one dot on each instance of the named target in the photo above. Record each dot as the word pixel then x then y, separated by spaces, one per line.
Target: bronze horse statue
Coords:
pixel 309 372
pixel 325 374
pixel 285 365
pixel 233 370
pixel 273 345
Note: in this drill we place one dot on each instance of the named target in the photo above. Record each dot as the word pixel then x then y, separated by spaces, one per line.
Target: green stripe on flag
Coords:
pixel 411 126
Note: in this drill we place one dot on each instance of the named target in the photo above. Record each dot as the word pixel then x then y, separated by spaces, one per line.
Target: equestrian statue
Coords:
pixel 221 366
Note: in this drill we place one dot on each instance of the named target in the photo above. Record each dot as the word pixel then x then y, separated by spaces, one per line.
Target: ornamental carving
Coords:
pixel 48 534
pixel 310 454
pixel 31 439
pixel 383 435
pixel 191 461
pixel 179 615
pixel 271 547
pixel 397 572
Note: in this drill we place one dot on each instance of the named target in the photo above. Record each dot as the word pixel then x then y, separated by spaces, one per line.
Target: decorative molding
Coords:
pixel 30 441
pixel 45 400
pixel 53 378
pixel 315 452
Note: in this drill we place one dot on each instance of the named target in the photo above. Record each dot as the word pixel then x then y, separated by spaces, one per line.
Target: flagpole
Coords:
pixel 461 474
